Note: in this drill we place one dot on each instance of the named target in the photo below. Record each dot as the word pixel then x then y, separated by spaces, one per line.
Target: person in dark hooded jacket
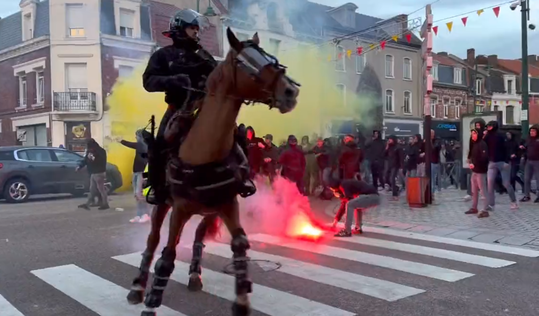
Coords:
pixel 375 154
pixel 393 154
pixel 498 163
pixel 293 163
pixel 478 160
pixel 350 159
pixel 412 152
pixel 532 163
pixel 270 156
pixel 478 124
pixel 515 153
pixel 255 145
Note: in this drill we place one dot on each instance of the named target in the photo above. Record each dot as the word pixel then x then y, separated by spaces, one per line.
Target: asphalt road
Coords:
pixel 56 260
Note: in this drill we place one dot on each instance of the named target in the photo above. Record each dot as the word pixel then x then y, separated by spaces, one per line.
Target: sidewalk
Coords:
pixel 446 218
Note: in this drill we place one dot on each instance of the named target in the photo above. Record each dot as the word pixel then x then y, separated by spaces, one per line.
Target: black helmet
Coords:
pixel 182 20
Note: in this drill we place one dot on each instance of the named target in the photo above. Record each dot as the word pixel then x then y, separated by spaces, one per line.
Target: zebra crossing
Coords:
pixel 106 298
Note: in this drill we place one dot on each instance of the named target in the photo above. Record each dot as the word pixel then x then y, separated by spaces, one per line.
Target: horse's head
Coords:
pixel 258 76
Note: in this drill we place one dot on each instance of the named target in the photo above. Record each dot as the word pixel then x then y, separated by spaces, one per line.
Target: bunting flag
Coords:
pixel 339 56
pixel 435 29
pixel 383 44
pixel 348 53
pixel 359 50
pixel 479 12
pixel 496 11
pixel 409 37
pixel 395 38
pixel 372 46
pixel 464 20
pixel 449 26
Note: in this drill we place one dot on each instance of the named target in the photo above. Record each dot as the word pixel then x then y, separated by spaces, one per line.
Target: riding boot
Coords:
pixel 156 176
pixel 136 294
pixel 163 269
pixel 195 271
pixel 239 246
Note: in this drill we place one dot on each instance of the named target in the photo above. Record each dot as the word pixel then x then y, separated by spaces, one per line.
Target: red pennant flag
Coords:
pixel 519 102
pixel 496 11
pixel 339 56
pixel 359 50
pixel 408 37
pixel 464 20
pixel 506 102
pixel 435 29
pixel 383 44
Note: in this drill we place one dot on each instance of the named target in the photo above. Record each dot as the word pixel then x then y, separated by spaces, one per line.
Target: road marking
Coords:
pixel 455 242
pixel 6 309
pixel 264 299
pixel 97 294
pixel 381 289
pixel 431 252
pixel 368 258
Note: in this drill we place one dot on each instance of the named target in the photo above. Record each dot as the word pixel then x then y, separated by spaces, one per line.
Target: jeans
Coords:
pixel 530 171
pixel 478 183
pixel 505 170
pixel 142 206
pixel 97 186
pixel 515 167
pixel 411 173
pixel 356 206
pixel 435 177
pixel 366 171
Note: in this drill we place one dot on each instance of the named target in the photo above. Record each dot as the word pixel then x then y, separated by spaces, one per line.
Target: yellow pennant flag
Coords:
pixel 480 11
pixel 395 38
pixel 329 57
pixel 372 46
pixel 348 53
pixel 449 26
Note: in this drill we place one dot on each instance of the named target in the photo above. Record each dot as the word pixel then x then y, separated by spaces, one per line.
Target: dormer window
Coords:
pixel 510 87
pixel 478 86
pixel 28 27
pixel 127 22
pixel 457 75
pixel 434 72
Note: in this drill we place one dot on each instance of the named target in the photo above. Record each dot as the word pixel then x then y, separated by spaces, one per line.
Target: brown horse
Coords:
pixel 206 175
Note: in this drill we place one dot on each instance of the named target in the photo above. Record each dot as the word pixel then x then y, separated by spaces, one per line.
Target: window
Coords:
pixel 457 72
pixel 40 88
pixel 478 86
pixel 340 57
pixel 28 32
pixel 434 72
pixel 77 81
pixel 127 19
pixel 389 101
pixel 407 106
pixel 509 114
pixel 496 108
pixel 341 88
pixel 274 46
pixel 433 105
pixel 360 63
pixel 124 71
pixel 458 102
pixel 66 156
pixel 407 69
pixel 389 66
pixel 23 92
pixel 75 20
pixel 42 155
pixel 509 86
pixel 446 107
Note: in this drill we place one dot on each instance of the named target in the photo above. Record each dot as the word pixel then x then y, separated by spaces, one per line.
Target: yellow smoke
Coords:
pixel 319 103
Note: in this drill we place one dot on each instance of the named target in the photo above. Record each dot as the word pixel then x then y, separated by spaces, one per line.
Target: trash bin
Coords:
pixel 416 191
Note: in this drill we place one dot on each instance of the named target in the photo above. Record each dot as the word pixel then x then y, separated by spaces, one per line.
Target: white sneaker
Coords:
pixel 135 219
pixel 467 198
pixel 514 206
pixel 145 218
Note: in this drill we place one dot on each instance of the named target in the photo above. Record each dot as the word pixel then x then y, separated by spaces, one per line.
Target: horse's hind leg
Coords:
pixel 136 294
pixel 239 246
pixel 165 265
pixel 195 270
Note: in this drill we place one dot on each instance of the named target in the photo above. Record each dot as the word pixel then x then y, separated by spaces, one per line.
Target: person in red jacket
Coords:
pixel 350 159
pixel 293 162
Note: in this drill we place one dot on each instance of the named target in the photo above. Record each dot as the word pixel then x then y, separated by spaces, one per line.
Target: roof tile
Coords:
pixel 516 67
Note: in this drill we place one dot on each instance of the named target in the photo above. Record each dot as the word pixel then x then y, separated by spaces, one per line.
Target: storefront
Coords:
pixel 402 128
pixel 446 130
pixel 77 135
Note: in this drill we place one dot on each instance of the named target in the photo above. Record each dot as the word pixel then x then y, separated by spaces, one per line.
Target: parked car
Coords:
pixel 25 171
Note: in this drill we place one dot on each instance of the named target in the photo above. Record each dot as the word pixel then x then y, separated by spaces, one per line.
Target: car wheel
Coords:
pixel 17 190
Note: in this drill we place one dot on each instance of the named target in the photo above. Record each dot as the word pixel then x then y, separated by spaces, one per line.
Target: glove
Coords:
pixel 180 81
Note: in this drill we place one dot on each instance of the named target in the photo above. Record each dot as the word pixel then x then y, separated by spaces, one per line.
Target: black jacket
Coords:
pixel 512 148
pixel 352 188
pixel 141 155
pixel 394 154
pixel 532 145
pixel 95 161
pixel 479 156
pixel 496 146
pixel 374 150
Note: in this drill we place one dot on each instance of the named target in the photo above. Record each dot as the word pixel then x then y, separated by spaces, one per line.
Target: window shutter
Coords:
pixel 76 76
pixel 126 18
pixel 75 16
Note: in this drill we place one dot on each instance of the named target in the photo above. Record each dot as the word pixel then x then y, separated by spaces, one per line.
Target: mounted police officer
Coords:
pixel 180 70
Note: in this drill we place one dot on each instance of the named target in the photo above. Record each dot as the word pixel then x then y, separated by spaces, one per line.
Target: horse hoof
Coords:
pixel 241 310
pixel 135 297
pixel 195 283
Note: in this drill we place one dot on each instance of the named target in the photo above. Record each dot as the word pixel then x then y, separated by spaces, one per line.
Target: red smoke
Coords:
pixel 280 210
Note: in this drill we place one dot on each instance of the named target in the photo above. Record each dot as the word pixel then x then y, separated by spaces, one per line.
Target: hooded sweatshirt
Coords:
pixel 394 154
pixel 255 155
pixel 141 152
pixel 412 154
pixel 375 149
pixel 512 148
pixel 496 144
pixel 479 155
pixel 532 145
pixel 293 161
pixel 480 131
pixel 350 159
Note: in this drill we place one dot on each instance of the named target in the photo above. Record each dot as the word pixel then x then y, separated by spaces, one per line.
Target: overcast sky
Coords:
pixel 487 34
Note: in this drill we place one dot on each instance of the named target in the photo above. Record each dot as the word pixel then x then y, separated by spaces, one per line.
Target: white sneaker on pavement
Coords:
pixel 514 206
pixel 467 198
pixel 135 219
pixel 145 218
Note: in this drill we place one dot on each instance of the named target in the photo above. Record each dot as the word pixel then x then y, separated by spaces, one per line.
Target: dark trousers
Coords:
pixel 156 155
pixel 377 169
pixel 515 167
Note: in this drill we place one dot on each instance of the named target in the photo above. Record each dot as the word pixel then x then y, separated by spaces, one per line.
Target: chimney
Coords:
pixel 532 60
pixel 403 19
pixel 493 60
pixel 470 56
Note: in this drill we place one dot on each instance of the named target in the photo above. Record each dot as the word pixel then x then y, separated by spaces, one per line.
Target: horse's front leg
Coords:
pixel 195 270
pixel 165 265
pixel 239 245
pixel 138 286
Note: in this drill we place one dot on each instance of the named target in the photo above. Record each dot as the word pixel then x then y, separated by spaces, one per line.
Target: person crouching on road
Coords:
pixel 356 196
pixel 96 162
pixel 478 160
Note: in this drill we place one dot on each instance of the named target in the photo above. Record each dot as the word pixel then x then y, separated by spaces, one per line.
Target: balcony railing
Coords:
pixel 75 101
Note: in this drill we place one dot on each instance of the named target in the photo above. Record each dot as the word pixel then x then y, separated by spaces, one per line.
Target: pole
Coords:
pixel 426 49
pixel 525 93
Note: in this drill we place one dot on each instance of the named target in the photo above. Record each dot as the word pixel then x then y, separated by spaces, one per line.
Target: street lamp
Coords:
pixel 525 16
pixel 209 10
